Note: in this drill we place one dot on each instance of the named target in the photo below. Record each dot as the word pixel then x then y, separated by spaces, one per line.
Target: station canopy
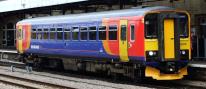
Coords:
pixel 13 5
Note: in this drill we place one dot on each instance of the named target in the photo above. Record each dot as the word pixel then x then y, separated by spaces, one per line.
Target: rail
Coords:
pixel 29 83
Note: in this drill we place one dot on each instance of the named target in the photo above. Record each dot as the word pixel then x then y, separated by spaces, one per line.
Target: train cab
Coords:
pixel 167 44
pixel 23 36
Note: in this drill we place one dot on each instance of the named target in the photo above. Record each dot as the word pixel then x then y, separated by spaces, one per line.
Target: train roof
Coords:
pixel 94 16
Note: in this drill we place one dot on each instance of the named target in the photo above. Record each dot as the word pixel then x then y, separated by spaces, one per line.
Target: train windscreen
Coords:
pixel 183 25
pixel 151 26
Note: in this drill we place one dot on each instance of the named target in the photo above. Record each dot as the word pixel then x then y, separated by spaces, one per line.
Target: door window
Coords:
pixel 19 34
pixel 132 32
pixel 123 32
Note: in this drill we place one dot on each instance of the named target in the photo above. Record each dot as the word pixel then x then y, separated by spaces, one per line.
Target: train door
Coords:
pixel 169 50
pixel 123 41
pixel 171 40
pixel 19 37
pixel 132 40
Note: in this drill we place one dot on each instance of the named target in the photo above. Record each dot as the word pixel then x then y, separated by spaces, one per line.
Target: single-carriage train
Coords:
pixel 137 42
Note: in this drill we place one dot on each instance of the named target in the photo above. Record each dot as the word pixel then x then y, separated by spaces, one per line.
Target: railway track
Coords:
pixel 119 84
pixel 29 83
pixel 71 80
pixel 186 84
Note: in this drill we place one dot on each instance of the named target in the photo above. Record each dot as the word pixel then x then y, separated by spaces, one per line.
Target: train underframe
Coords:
pixel 137 71
pixel 111 68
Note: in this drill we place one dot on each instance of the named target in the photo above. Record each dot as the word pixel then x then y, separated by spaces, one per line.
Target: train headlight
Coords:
pixel 171 69
pixel 184 54
pixel 151 55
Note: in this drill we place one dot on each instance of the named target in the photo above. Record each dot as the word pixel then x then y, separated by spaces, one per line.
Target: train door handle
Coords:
pixel 172 38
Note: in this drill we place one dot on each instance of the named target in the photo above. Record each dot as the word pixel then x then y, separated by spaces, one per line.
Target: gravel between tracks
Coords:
pixel 80 83
pixel 7 86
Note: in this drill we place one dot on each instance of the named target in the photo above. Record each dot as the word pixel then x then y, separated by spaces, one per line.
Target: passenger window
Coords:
pixel 59 34
pixel 52 33
pixel 123 32
pixel 67 35
pixel 33 36
pixel 132 32
pixel 113 32
pixel 83 33
pixel 75 33
pixel 39 35
pixel 92 33
pixel 46 33
pixel 102 32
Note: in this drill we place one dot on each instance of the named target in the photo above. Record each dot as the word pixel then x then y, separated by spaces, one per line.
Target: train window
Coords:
pixel 75 33
pixel 123 32
pixel 33 36
pixel 46 33
pixel 83 33
pixel 39 34
pixel 102 32
pixel 22 34
pixel 67 35
pixel 52 33
pixel 113 32
pixel 92 33
pixel 183 24
pixel 132 32
pixel 151 25
pixel 59 33
pixel 19 34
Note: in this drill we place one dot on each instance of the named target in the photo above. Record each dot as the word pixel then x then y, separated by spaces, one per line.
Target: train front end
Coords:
pixel 167 44
pixel 23 37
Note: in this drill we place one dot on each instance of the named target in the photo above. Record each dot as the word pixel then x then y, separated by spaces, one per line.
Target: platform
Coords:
pixel 7 54
pixel 198 64
pixel 11 62
pixel 7 51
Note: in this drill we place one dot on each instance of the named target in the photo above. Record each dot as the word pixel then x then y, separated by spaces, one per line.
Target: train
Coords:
pixel 140 42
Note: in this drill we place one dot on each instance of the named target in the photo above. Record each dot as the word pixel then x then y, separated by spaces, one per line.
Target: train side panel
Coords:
pixel 99 49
